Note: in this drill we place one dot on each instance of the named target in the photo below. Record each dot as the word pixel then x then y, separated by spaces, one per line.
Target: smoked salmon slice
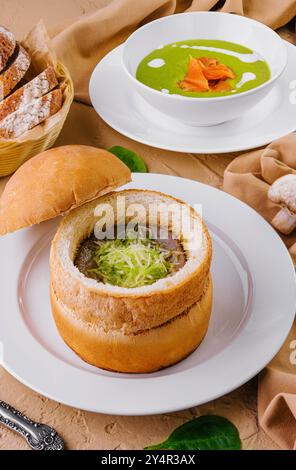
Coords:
pixel 221 86
pixel 206 74
pixel 194 79
pixel 208 61
pixel 218 72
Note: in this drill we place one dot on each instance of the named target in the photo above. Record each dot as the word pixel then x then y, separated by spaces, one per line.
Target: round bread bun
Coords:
pixel 130 310
pixel 56 181
pixel 148 350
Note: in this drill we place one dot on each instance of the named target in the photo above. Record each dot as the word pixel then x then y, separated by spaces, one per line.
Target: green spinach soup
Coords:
pixel 203 68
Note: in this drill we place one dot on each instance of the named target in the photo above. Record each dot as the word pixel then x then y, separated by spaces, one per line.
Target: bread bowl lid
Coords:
pixel 57 181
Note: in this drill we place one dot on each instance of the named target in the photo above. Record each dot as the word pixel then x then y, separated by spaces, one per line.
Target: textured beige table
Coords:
pixel 82 430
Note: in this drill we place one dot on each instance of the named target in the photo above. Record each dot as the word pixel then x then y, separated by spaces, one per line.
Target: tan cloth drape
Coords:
pixel 277 395
pixel 249 177
pixel 273 13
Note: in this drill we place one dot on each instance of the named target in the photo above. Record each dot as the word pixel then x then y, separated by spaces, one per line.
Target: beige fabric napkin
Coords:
pixel 249 177
pixel 274 13
pixel 277 395
pixel 81 43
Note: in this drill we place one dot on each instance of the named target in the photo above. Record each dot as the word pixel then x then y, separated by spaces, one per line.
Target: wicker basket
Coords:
pixel 14 153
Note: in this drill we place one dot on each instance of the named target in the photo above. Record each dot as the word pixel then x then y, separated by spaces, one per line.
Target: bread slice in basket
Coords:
pixel 14 71
pixel 30 115
pixel 7 46
pixel 26 102
pixel 39 86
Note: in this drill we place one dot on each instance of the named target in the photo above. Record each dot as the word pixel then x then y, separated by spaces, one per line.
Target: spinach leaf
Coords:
pixel 130 158
pixel 207 432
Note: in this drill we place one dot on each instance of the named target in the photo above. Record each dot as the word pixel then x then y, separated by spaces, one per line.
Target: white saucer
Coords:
pixel 253 310
pixel 115 101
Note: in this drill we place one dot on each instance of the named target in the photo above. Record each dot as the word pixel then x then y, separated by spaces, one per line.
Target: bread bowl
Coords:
pixel 147 351
pixel 147 305
pixel 125 318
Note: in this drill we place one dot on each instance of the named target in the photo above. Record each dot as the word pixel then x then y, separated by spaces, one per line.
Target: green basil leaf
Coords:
pixel 207 432
pixel 130 158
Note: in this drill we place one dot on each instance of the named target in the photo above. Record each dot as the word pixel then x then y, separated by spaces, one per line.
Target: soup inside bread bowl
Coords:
pixel 152 324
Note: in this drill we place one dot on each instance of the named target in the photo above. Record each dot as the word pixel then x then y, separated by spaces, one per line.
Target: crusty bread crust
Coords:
pixel 15 70
pixel 56 181
pixel 39 86
pixel 129 310
pixel 31 114
pixel 146 351
pixel 7 46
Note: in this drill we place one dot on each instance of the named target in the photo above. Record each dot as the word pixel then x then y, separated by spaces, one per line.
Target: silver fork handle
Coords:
pixel 38 436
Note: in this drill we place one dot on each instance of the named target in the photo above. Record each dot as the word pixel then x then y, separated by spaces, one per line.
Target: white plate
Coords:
pixel 254 303
pixel 124 110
